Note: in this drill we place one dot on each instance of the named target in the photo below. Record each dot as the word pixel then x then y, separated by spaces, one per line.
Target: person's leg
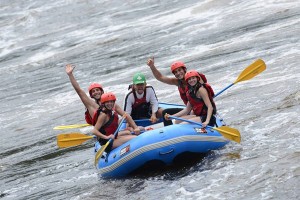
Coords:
pixel 190 117
pixel 159 113
pixel 121 140
pixel 125 132
pixel 212 121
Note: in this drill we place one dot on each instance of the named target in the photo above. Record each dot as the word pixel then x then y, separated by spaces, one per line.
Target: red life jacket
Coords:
pixel 198 105
pixel 203 77
pixel 138 102
pixel 182 91
pixel 109 127
pixel 88 117
pixel 141 109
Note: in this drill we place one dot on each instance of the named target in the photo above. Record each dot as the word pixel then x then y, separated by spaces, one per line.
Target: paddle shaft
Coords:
pixel 102 149
pixel 249 72
pixel 75 139
pixel 224 90
pixel 227 132
pixel 186 120
pixel 62 127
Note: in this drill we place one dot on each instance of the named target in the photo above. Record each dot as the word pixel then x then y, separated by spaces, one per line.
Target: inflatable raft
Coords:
pixel 161 144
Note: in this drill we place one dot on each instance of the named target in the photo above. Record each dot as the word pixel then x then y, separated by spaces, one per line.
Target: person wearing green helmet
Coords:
pixel 141 101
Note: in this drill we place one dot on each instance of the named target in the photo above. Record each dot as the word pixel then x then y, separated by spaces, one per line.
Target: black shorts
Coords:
pixel 212 121
pixel 103 142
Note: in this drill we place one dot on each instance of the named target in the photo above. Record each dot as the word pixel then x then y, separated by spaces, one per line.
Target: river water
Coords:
pixel 109 41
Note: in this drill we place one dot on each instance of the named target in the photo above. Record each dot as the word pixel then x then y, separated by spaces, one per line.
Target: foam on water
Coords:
pixel 109 42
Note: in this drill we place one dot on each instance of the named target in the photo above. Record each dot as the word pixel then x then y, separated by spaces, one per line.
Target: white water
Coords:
pixel 111 40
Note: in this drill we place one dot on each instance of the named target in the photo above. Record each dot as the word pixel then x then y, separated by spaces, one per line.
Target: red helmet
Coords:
pixel 94 85
pixel 176 65
pixel 190 74
pixel 108 97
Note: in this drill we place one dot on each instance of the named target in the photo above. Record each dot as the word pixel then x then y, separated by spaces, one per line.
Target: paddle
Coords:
pixel 251 71
pixel 71 139
pixel 70 126
pixel 103 147
pixel 62 127
pixel 228 132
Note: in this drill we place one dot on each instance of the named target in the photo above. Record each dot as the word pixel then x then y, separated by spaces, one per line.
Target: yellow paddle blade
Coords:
pixel 229 133
pixel 226 131
pixel 70 126
pixel 251 71
pixel 100 152
pixel 71 139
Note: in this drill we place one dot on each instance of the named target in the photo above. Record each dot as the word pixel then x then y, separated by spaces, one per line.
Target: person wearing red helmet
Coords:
pixel 92 104
pixel 178 68
pixel 106 123
pixel 95 92
pixel 200 100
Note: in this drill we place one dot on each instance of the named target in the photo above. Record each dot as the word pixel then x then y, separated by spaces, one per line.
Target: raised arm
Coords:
pixel 130 121
pixel 159 76
pixel 89 103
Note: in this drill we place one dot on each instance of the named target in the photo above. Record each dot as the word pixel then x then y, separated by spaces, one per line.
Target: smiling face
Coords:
pixel 96 93
pixel 109 105
pixel 139 88
pixel 179 73
pixel 192 80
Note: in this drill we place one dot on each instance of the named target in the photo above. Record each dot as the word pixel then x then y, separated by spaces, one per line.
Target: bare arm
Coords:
pixel 202 92
pixel 100 121
pixel 119 110
pixel 159 76
pixel 90 104
pixel 130 121
pixel 185 111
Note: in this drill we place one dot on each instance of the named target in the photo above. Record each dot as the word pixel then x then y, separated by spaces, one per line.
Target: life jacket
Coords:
pixel 109 127
pixel 88 117
pixel 198 105
pixel 141 109
pixel 182 91
pixel 203 77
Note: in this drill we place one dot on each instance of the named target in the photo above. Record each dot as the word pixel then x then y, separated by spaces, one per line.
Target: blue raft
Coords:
pixel 162 144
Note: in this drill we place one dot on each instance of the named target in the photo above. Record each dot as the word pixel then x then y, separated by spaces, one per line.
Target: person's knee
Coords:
pixel 160 113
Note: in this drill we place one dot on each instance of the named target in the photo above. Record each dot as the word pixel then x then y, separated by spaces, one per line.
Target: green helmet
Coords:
pixel 139 78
